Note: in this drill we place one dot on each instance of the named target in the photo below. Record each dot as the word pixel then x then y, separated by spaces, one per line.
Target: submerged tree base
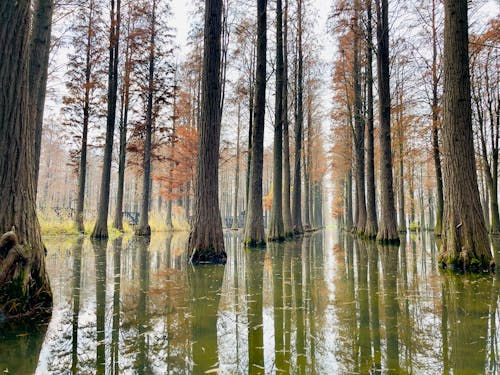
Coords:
pixel 207 256
pixel 24 285
pixel 464 263
pixel 143 231
pixel 254 243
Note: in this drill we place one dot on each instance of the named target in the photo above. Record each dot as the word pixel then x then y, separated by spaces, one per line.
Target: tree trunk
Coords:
pixel 435 128
pixel 38 71
pixel 144 228
pixel 206 240
pixel 465 242
pixel 287 213
pixel 24 283
pixel 254 226
pixel 251 79
pixel 348 202
pixel 296 202
pixel 371 227
pixel 401 195
pixel 82 170
pixel 276 231
pixel 118 220
pixel 387 231
pixel 101 225
pixel 237 172
pixel 359 129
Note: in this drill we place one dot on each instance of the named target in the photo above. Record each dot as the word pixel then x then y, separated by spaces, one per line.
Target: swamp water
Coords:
pixel 321 304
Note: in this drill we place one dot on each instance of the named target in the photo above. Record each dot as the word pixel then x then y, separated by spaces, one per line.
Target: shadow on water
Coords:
pixel 325 303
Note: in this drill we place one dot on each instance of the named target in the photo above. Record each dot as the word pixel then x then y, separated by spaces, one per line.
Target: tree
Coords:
pixel 206 240
pixel 371 227
pixel 24 283
pixel 38 70
pixel 387 231
pixel 276 227
pixel 296 200
pixel 101 225
pixel 254 225
pixel 287 213
pixel 465 239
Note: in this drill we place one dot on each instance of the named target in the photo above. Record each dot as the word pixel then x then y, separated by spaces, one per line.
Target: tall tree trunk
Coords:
pixel 125 100
pixel 401 195
pixel 82 170
pixel 348 201
pixel 144 228
pixel 237 172
pixel 276 231
pixel 287 213
pixel 387 231
pixel 307 166
pixel 465 242
pixel 359 129
pixel 254 225
pixel 371 227
pixel 24 283
pixel 206 240
pixel 251 82
pixel 101 225
pixel 38 70
pixel 296 200
pixel 435 128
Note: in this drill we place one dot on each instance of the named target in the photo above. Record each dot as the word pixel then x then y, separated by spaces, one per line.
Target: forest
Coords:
pixel 248 180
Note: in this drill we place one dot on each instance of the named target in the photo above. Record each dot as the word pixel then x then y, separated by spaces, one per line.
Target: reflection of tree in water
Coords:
pixel 77 275
pixel 363 307
pixel 115 335
pixel 100 293
pixel 373 265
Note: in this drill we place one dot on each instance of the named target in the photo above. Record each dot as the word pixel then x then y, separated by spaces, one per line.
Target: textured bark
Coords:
pixel 82 169
pixel 254 225
pixel 296 200
pixel 401 194
pixel 371 227
pixel 307 167
pixel 24 283
pixel 276 227
pixel 206 240
pixel 144 228
pixel 465 243
pixel 359 129
pixel 38 71
pixel 287 212
pixel 348 222
pixel 101 225
pixel 387 231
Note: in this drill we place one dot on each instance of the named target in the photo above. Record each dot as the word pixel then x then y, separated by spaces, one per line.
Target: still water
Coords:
pixel 322 304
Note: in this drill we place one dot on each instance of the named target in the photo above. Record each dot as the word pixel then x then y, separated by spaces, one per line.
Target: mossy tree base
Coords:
pixel 370 232
pixel 24 285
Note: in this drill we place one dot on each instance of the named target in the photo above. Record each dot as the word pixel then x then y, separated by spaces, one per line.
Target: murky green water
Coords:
pixel 323 304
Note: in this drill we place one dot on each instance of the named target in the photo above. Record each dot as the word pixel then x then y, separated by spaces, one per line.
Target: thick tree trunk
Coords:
pixel 38 70
pixel 371 227
pixel 254 225
pixel 24 283
pixel 296 200
pixel 276 231
pixel 206 240
pixel 287 213
pixel 465 242
pixel 387 231
pixel 101 225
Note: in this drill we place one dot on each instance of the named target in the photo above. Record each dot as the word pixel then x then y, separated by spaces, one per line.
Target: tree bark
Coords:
pixel 101 225
pixel 237 172
pixel 371 227
pixel 296 202
pixel 24 283
pixel 387 231
pixel 206 240
pixel 254 225
pixel 276 227
pixel 465 242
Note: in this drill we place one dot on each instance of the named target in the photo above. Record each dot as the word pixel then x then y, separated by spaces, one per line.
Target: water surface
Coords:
pixel 321 304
